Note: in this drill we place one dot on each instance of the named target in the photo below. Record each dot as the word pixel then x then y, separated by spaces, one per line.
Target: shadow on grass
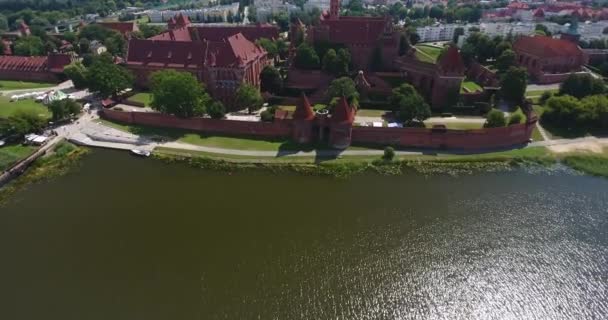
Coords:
pixel 571 133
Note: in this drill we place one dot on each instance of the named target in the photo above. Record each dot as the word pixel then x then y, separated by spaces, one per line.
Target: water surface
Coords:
pixel 128 238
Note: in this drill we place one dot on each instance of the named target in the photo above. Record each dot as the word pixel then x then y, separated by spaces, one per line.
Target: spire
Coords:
pixel 334 9
pixel 343 112
pixel 451 61
pixel 303 109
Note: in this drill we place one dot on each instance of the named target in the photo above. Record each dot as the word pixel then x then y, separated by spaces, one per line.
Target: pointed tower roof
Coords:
pixel 303 109
pixel 343 112
pixel 361 81
pixel 451 61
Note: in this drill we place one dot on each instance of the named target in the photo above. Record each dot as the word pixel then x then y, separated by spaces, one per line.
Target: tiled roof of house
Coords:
pixel 179 34
pixel 57 61
pixel 347 30
pixel 451 61
pixel 303 109
pixel 546 47
pixel 124 28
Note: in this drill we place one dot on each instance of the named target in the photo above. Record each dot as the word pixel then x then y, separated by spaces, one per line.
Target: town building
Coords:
pixel 549 60
pixel 40 68
pixel 222 58
pixel 361 35
pixel 220 12
pixel 265 9
pixel 322 5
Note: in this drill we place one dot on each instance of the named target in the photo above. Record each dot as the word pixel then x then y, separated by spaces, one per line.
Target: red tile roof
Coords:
pixel 124 28
pixel 252 32
pixel 451 61
pixel 52 63
pixel 178 21
pixel 546 47
pixel 303 109
pixel 343 112
pixel 179 34
pixel 353 30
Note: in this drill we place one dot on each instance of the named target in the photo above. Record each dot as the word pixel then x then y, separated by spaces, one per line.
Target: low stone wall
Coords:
pixel 281 128
pixel 28 76
pixel 445 139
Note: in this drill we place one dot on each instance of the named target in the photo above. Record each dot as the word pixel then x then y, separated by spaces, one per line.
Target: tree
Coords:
pixel 541 29
pixel 544 97
pixel 517 117
pixel 408 104
pixel 459 31
pixel 178 93
pixel 271 80
pixel 282 20
pixel 513 85
pixel 562 111
pixel 343 86
pixel 389 153
pixel 76 72
pixel 494 119
pixel 63 109
pixel 3 22
pixel 269 46
pixel 107 79
pixel 69 36
pixel 23 122
pixel 116 44
pixel 216 110
pixel 506 60
pixel 29 46
pixel 249 97
pixel 581 85
pixel 343 63
pixel 306 57
pixel 330 61
pixel 501 47
pixel 282 48
pixel 148 31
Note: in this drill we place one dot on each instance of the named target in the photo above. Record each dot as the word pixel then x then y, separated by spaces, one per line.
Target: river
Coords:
pixel 128 238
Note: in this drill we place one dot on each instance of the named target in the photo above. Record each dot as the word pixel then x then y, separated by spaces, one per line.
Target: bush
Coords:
pixel 389 153
pixel 517 117
pixel 495 119
pixel 544 97
pixel 267 116
pixel 216 110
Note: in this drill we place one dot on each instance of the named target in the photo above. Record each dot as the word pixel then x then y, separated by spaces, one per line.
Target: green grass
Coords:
pixel 8 108
pixel 142 97
pixel 457 125
pixel 427 53
pixel 470 86
pixel 596 165
pixel 13 153
pixel 287 108
pixel 533 93
pixel 17 85
pixel 372 112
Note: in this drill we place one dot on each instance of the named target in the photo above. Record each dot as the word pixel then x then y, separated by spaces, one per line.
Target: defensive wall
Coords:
pixel 401 137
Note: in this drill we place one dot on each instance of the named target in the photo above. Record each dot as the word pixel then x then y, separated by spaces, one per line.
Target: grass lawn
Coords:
pixel 456 125
pixel 536 136
pixel 427 53
pixel 470 86
pixel 287 108
pixel 8 108
pixel 16 85
pixel 371 112
pixel 13 153
pixel 534 93
pixel 142 97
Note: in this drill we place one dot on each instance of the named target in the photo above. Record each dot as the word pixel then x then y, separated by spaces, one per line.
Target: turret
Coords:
pixel 342 118
pixel 303 119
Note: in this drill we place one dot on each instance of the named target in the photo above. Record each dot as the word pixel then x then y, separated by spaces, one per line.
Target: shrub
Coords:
pixel 517 117
pixel 216 110
pixel 544 97
pixel 267 116
pixel 389 153
pixel 494 119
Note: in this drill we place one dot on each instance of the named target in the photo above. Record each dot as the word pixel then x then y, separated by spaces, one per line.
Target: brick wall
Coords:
pixel 281 128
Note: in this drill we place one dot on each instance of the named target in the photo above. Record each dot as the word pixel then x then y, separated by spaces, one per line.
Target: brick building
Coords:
pixel 439 82
pixel 43 68
pixel 221 58
pixel 549 60
pixel 361 35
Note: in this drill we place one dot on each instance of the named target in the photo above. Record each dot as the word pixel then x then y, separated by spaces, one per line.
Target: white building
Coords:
pixel 264 9
pixel 322 5
pixel 195 15
pixel 441 32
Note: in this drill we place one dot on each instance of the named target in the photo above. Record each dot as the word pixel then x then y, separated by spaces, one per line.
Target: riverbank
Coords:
pixel 58 162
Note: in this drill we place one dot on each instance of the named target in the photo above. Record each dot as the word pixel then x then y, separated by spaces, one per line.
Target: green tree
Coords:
pixel 63 109
pixel 3 22
pixel 541 29
pixel 517 117
pixel 23 122
pixel 501 47
pixel 282 48
pixel 506 60
pixel 249 97
pixel 282 20
pixel 581 85
pixel 409 105
pixel 269 46
pixel 76 72
pixel 459 31
pixel 562 111
pixel 271 80
pixel 513 85
pixel 404 44
pixel 148 31
pixel 29 46
pixel 69 36
pixel 116 44
pixel 343 86
pixel 107 79
pixel 494 119
pixel 389 153
pixel 544 97
pixel 216 110
pixel 306 57
pixel 178 93
pixel 330 61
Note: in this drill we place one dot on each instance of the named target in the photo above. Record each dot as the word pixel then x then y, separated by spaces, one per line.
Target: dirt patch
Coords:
pixel 583 146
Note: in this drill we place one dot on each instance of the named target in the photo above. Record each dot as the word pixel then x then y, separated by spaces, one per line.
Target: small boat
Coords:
pixel 141 153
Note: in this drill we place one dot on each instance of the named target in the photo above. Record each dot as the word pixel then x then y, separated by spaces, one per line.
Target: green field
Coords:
pixel 13 153
pixel 142 97
pixel 427 53
pixel 457 125
pixel 8 108
pixel 470 86
pixel 17 85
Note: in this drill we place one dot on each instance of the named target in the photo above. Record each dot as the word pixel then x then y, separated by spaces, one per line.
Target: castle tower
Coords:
pixel 341 126
pixel 334 9
pixel 303 119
